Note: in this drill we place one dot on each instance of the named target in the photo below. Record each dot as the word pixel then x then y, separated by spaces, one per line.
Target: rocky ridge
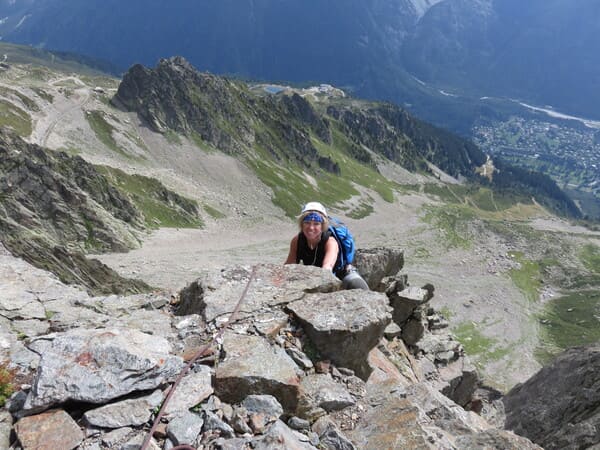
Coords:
pixel 345 375
pixel 285 129
pixel 226 115
pixel 559 406
pixel 55 208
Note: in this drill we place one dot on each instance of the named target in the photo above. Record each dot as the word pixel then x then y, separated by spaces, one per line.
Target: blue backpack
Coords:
pixel 345 241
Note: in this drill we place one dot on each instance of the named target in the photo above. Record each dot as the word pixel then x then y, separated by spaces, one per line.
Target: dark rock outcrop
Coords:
pixel 375 264
pixel 224 113
pixel 54 207
pixel 559 407
pixel 175 96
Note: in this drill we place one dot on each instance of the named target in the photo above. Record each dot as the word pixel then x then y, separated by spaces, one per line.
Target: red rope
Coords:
pixel 203 350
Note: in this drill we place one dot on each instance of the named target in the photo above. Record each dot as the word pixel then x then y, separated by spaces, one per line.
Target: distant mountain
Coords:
pixel 418 53
pixel 545 51
pixel 298 41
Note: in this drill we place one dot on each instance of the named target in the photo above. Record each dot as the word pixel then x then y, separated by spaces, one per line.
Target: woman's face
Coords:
pixel 312 229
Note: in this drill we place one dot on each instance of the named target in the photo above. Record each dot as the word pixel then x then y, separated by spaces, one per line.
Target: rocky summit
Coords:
pixel 300 364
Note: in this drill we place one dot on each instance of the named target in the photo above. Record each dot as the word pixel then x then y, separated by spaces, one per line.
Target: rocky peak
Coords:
pixel 175 96
pixel 224 114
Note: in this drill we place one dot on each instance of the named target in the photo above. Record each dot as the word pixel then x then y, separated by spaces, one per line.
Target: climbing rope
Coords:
pixel 204 350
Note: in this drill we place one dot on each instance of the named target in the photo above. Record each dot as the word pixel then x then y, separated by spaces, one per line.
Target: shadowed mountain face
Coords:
pixel 292 40
pixel 541 52
pixel 53 207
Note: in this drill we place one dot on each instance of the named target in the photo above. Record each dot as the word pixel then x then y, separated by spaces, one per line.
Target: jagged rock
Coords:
pixel 460 380
pixel 557 408
pixel 384 371
pixel 446 414
pixel 397 423
pixel 300 358
pixel 392 284
pixel 131 412
pixel 393 361
pixel 439 348
pixel 321 391
pixel 413 330
pixel 48 431
pixel 194 388
pixel 185 428
pixel 253 366
pixel 406 301
pixel 344 325
pixel 212 422
pixel 216 294
pixel 261 410
pixel 487 402
pixel 495 439
pixel 239 421
pixel 377 263
pixel 414 417
pixel 97 366
pixel 265 404
pixel 330 436
pixel 280 437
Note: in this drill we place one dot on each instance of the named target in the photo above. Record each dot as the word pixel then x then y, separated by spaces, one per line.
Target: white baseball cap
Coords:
pixel 314 206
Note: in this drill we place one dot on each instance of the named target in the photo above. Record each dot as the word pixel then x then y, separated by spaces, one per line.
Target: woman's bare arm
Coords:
pixel 291 258
pixel 331 253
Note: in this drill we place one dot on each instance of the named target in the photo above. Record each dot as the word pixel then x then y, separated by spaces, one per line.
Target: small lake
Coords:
pixel 273 89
